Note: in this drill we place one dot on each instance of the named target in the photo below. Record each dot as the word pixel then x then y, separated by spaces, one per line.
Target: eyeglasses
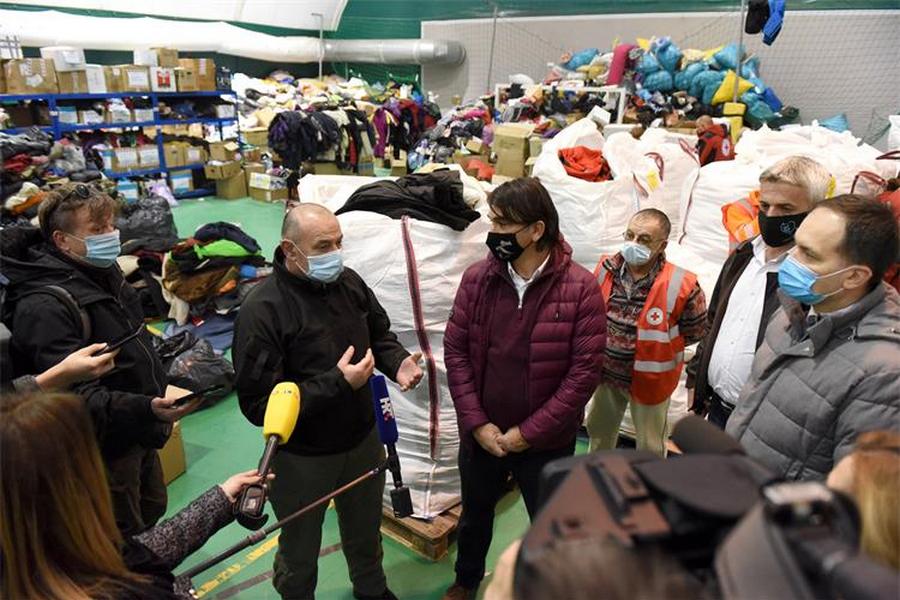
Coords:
pixel 80 190
pixel 643 239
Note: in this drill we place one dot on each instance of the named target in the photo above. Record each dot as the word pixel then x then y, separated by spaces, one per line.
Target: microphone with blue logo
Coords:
pixel 401 501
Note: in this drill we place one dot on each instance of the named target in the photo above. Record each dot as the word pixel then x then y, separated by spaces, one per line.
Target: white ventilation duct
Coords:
pixel 54 28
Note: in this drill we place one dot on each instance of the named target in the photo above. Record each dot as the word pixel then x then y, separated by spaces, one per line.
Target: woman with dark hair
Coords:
pixel 58 536
pixel 523 350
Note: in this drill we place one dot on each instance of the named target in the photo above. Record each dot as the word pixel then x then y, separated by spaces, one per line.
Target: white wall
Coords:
pixel 823 62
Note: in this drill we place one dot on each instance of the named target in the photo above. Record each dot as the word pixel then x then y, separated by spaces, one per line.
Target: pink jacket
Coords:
pixel 565 356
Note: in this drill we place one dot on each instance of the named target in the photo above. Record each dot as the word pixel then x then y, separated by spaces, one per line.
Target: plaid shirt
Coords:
pixel 626 301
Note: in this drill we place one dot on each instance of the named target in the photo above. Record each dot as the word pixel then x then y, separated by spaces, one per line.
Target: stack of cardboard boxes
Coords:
pixel 224 167
pixel 511 144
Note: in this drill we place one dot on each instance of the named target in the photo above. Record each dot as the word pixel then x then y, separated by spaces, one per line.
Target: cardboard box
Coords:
pixel 89 117
pixel 145 57
pixel 172 456
pixel 512 138
pixel 2 80
pixel 166 57
pixel 96 79
pixel 265 116
pixel 72 82
pixel 225 111
pixel 263 181
pixel 222 170
pixel 162 79
pixel 125 159
pixel 500 179
pixel 476 146
pixel 194 155
pixel 128 190
pixel 251 154
pixel 186 80
pixel 143 115
pixel 181 181
pixel 535 145
pixel 67 115
pixel 511 167
pixel 223 151
pixel 113 76
pixel 174 153
pixel 325 168
pixel 232 187
pixel 366 169
pixel 250 168
pixel 256 136
pixel 131 78
pixel 204 69
pixel 529 166
pixel 269 195
pixel 148 156
pixel 121 114
pixel 65 58
pixel 30 76
pixel 398 165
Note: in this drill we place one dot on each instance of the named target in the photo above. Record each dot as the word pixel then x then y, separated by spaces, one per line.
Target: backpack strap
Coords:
pixel 75 310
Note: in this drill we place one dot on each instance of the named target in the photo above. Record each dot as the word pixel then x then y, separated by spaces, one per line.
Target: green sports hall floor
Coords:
pixel 219 442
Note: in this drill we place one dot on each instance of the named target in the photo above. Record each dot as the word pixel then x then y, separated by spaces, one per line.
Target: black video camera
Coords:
pixel 734 530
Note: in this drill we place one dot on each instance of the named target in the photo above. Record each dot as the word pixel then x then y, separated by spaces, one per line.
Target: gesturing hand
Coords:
pixel 410 374
pixel 356 374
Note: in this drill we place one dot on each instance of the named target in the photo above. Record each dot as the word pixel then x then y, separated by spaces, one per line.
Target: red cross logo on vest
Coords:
pixel 655 316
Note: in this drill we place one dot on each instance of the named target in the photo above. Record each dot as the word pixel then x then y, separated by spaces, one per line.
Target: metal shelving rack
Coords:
pixel 58 129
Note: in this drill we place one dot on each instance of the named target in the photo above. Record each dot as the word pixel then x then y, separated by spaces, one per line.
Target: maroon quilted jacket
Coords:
pixel 565 356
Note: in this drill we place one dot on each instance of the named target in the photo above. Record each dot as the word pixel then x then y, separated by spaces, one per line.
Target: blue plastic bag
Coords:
pixel 648 64
pixel 685 77
pixel 661 81
pixel 710 86
pixel 729 57
pixel 668 55
pixel 698 85
pixel 837 123
pixel 579 59
pixel 759 113
pixel 772 100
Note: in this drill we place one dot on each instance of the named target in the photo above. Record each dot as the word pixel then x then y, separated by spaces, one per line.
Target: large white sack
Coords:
pixel 717 184
pixel 661 163
pixel 374 248
pixel 592 215
pixel 843 154
pixel 893 142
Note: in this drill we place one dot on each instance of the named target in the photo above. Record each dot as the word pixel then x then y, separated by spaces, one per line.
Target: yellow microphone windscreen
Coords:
pixel 282 411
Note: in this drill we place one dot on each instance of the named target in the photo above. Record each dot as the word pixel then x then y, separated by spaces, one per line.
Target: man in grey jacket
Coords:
pixel 829 366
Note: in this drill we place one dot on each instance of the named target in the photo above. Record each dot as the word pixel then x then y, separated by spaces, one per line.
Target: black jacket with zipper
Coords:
pixel 291 328
pixel 698 368
pixel 45 331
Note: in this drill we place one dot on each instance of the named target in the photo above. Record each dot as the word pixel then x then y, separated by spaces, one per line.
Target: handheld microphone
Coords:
pixel 695 435
pixel 401 501
pixel 282 411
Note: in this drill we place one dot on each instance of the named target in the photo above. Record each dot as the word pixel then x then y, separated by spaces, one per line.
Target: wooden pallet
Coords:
pixel 427 539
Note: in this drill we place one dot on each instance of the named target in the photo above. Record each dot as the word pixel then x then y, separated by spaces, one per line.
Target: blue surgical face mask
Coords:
pixel 636 254
pixel 323 267
pixel 797 281
pixel 102 249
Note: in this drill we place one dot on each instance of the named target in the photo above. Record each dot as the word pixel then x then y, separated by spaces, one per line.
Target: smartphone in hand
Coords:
pixel 118 343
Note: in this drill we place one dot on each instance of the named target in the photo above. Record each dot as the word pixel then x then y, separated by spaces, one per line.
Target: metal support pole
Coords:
pixel 321 40
pixel 737 78
pixel 490 73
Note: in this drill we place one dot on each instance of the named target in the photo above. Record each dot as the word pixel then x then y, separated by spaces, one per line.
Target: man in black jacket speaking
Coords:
pixel 317 324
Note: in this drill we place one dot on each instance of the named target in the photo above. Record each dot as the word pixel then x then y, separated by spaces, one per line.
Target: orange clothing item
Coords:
pixel 659 352
pixel 739 219
pixel 585 163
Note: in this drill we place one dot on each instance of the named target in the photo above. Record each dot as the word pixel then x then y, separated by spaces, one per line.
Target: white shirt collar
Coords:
pixel 759 252
pixel 520 281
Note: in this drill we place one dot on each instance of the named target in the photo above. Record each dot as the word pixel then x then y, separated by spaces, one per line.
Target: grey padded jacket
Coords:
pixel 815 386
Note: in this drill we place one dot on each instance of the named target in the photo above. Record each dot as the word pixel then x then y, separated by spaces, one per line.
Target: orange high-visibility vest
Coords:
pixel 659 353
pixel 739 219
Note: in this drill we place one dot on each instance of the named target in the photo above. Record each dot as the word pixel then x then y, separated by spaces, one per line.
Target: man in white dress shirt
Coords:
pixel 745 297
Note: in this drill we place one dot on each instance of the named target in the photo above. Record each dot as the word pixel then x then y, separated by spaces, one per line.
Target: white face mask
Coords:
pixel 636 254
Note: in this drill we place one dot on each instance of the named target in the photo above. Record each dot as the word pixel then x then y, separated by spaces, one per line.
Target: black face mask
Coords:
pixel 779 231
pixel 505 246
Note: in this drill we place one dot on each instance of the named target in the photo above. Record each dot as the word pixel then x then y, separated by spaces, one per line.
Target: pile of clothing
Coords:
pixel 25 160
pixel 585 163
pixel 340 134
pixel 205 279
pixel 451 133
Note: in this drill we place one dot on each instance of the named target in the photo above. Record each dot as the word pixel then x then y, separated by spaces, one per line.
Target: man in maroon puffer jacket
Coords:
pixel 523 349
